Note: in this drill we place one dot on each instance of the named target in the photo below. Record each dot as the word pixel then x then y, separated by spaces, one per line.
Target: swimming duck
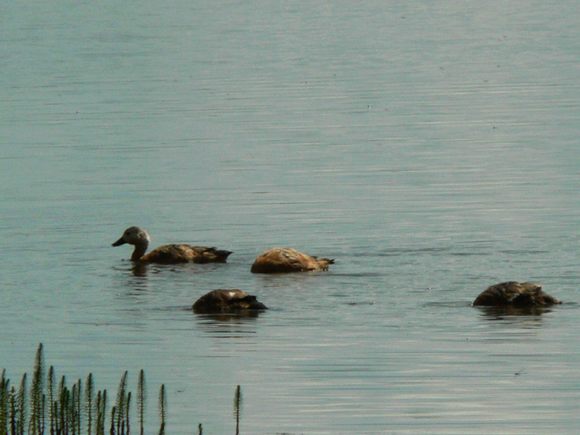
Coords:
pixel 516 294
pixel 278 260
pixel 227 301
pixel 168 254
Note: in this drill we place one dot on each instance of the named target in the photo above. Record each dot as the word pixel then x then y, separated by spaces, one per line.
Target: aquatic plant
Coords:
pixel 36 393
pixel 162 409
pixel 4 399
pixel 141 400
pixel 238 408
pixel 59 409
pixel 48 407
pixel 89 402
pixel 122 405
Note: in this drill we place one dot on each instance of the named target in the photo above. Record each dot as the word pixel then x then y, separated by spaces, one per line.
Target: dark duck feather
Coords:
pixel 227 301
pixel 516 294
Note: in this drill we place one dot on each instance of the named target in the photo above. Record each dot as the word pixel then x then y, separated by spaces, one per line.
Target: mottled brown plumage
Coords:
pixel 280 260
pixel 227 301
pixel 516 294
pixel 168 254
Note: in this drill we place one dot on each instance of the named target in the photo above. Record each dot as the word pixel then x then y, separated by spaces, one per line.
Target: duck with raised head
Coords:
pixel 227 301
pixel 515 294
pixel 168 254
pixel 281 260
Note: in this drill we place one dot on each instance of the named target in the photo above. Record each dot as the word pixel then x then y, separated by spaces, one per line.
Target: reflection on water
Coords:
pixel 228 325
pixel 133 278
pixel 143 269
pixel 505 312
pixel 139 269
pixel 238 317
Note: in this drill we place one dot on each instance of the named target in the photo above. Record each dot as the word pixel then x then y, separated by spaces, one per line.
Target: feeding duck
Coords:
pixel 227 301
pixel 279 260
pixel 516 294
pixel 168 254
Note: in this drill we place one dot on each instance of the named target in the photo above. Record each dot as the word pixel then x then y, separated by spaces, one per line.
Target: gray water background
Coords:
pixel 431 148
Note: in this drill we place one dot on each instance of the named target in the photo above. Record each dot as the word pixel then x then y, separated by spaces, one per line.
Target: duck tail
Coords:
pixel 325 262
pixel 222 254
pixel 253 303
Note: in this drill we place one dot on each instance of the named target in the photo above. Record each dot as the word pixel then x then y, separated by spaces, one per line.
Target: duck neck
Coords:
pixel 139 251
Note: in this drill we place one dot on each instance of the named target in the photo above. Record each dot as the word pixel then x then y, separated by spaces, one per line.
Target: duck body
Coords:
pixel 282 260
pixel 168 254
pixel 227 301
pixel 515 294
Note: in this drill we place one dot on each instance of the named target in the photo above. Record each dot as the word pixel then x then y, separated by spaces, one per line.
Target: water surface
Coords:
pixel 430 148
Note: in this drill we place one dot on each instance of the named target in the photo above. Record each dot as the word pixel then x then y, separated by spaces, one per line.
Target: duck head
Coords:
pixel 137 237
pixel 134 236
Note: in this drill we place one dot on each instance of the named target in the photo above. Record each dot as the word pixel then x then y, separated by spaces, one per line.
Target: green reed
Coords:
pixel 238 408
pixel 141 400
pixel 48 407
pixel 53 407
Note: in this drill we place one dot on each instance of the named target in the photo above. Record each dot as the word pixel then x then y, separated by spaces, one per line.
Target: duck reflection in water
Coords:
pixel 501 313
pixel 139 269
pixel 515 298
pixel 230 323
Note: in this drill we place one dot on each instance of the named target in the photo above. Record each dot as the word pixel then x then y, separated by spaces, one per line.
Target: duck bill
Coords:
pixel 119 242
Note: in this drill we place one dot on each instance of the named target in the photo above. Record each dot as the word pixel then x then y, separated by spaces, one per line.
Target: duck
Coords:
pixel 168 254
pixel 280 260
pixel 515 294
pixel 221 301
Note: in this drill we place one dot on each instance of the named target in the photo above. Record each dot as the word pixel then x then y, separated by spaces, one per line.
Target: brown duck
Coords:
pixel 168 254
pixel 516 294
pixel 280 260
pixel 227 301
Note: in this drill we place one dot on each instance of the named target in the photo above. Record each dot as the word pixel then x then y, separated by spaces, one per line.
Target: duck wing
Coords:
pixel 279 260
pixel 500 294
pixel 203 254
pixel 181 253
pixel 517 294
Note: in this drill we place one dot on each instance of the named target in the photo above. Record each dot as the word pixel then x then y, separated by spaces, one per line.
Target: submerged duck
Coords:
pixel 515 294
pixel 227 301
pixel 279 260
pixel 168 254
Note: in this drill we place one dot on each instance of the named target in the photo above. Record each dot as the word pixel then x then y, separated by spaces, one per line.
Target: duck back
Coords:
pixel 517 294
pixel 181 253
pixel 282 260
pixel 227 300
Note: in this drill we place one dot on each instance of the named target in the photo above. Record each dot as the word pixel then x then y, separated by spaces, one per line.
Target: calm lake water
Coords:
pixel 431 148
